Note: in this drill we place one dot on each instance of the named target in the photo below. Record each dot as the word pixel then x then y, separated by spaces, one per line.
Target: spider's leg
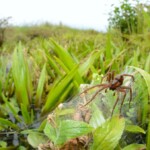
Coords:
pixel 123 90
pixel 129 75
pixel 109 76
pixel 128 88
pixel 106 86
pixel 114 106
pixel 112 75
pixel 95 86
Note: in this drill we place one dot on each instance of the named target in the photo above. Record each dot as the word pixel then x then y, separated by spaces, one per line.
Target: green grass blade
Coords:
pixel 52 63
pixel 5 123
pixel 83 69
pixel 108 48
pixel 25 114
pixel 66 58
pixel 12 109
pixel 147 64
pixel 21 76
pixel 57 91
pixel 40 86
pixel 148 136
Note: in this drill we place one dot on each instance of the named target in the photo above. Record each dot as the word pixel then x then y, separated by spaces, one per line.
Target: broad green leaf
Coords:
pixel 40 86
pixel 36 138
pixel 108 134
pixel 69 129
pixel 54 96
pixel 146 77
pixel 50 132
pixel 134 129
pixel 135 147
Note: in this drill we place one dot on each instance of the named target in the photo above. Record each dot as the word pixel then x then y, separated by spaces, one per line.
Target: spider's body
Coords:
pixel 115 84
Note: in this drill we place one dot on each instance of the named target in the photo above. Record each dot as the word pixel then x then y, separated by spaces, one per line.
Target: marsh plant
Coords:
pixel 41 81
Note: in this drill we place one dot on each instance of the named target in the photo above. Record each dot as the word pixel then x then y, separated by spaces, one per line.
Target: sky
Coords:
pixel 83 14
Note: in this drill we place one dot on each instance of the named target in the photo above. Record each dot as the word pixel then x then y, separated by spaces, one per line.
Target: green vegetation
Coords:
pixel 41 67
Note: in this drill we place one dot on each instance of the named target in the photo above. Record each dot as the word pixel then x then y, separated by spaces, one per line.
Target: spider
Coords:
pixel 114 84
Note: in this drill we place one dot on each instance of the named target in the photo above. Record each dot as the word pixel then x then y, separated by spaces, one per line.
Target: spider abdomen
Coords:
pixel 117 82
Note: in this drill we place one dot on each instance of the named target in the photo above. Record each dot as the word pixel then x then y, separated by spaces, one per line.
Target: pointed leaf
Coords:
pixel 83 69
pixel 6 123
pixel 69 129
pixel 108 134
pixel 25 114
pixel 145 75
pixel 50 132
pixel 134 129
pixel 57 91
pixel 40 86
pixel 135 147
pixel 66 58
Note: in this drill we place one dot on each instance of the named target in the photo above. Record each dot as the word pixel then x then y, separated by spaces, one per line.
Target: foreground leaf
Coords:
pixel 108 135
pixel 70 129
pixel 36 138
pixel 67 129
pixel 50 132
pixel 135 147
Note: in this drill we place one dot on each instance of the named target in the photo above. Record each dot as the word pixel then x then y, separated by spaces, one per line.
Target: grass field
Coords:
pixel 43 66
